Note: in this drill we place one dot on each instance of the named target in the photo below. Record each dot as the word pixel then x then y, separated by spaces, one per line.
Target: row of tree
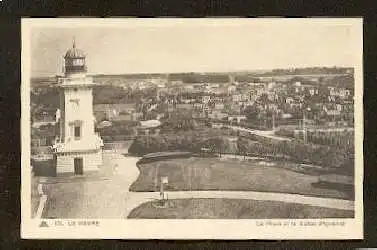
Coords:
pixel 309 71
pixel 118 131
pixel 111 94
pixel 192 141
pixel 338 159
pixel 199 77
pixel 338 139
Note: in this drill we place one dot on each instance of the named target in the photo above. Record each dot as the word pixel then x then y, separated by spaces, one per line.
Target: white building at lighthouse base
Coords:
pixel 78 157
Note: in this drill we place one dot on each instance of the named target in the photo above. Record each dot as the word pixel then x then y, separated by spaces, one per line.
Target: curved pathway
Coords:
pixel 111 198
pixel 268 133
pixel 137 198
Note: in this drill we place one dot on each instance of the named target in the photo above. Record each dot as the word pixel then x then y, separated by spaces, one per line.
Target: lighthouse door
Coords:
pixel 79 166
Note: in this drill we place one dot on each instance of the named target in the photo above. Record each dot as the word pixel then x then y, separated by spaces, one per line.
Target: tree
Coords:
pixel 251 112
pixel 243 146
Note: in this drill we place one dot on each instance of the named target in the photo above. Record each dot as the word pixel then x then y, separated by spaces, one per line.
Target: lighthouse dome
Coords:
pixel 74 52
pixel 75 61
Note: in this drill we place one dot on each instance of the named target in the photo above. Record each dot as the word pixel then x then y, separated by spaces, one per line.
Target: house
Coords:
pixel 123 116
pixel 289 100
pixel 245 97
pixel 198 106
pixel 206 98
pixel 198 114
pixel 186 106
pixel 231 88
pixel 348 106
pixel 313 91
pixel 338 107
pixel 235 108
pixel 160 115
pixel 340 92
pixel 331 124
pixel 259 89
pixel 271 85
pixel 216 115
pixel 236 97
pixel 150 124
pixel 38 124
pixel 272 106
pixel 177 82
pixel 219 106
pixel 136 116
pixel 237 118
pixel 188 88
pixel 272 96
pixel 248 103
pixel 215 85
pixel 332 112
pixel 190 100
pixel 286 116
pixel 296 104
pixel 331 98
pixel 114 108
pixel 152 107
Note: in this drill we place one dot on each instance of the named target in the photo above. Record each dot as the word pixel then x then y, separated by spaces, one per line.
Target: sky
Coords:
pixel 195 46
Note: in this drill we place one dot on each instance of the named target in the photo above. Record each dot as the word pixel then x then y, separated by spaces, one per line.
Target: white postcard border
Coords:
pixel 187 229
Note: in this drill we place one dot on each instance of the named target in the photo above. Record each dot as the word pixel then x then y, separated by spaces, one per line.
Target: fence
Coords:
pixel 117 146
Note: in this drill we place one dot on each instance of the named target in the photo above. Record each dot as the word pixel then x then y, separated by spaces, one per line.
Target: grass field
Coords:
pixel 234 209
pixel 220 174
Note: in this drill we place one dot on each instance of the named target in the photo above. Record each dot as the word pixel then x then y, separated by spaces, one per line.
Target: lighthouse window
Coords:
pixel 77 62
pixel 77 132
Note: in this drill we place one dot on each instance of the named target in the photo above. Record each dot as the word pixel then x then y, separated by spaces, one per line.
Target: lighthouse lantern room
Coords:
pixel 78 149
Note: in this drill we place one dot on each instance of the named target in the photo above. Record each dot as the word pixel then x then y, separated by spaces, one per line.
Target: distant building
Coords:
pixel 236 97
pixel 198 106
pixel 286 116
pixel 136 116
pixel 235 108
pixel 118 108
pixel 333 112
pixel 245 97
pixel 216 115
pixel 219 106
pixel 187 106
pixel 150 124
pixel 340 92
pixel 45 122
pixel 289 100
pixel 237 118
pixel 206 98
pixel 231 88
pixel 122 117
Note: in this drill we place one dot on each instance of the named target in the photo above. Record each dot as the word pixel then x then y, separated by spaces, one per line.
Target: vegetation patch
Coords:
pixel 226 174
pixel 234 209
pixel 338 160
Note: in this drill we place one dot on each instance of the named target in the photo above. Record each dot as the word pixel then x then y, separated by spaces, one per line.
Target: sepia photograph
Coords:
pixel 201 128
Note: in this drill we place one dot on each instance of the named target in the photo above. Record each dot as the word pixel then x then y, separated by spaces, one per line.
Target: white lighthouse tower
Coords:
pixel 78 149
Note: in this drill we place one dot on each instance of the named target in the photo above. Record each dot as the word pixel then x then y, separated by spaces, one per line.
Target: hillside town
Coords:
pixel 295 106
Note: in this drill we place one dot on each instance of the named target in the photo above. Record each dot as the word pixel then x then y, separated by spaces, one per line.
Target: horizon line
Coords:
pixel 199 72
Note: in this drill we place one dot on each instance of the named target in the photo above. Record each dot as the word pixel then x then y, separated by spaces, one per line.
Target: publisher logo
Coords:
pixel 43 224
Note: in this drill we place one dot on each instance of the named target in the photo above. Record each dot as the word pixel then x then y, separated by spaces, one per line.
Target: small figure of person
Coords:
pixel 115 168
